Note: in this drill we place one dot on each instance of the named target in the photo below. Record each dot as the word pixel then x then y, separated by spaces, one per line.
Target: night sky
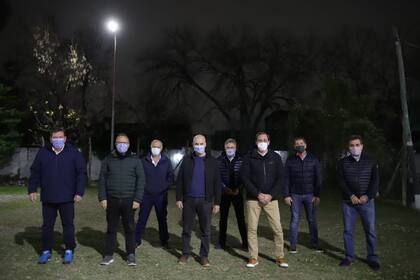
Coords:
pixel 144 21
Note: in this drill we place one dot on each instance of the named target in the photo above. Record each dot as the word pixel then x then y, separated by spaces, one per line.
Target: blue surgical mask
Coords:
pixel 122 148
pixel 58 143
pixel 230 152
pixel 199 149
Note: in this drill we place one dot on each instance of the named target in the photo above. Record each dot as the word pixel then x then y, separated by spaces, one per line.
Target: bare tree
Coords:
pixel 245 76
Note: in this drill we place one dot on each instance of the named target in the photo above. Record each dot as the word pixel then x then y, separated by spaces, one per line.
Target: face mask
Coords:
pixel 356 151
pixel 58 143
pixel 199 149
pixel 262 146
pixel 122 148
pixel 230 152
pixel 155 151
pixel 300 149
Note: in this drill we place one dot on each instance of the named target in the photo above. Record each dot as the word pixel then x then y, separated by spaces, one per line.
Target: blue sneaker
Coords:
pixel 45 256
pixel 68 257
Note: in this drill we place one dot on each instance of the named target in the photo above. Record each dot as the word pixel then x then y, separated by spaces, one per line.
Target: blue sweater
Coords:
pixel 60 176
pixel 159 178
pixel 198 184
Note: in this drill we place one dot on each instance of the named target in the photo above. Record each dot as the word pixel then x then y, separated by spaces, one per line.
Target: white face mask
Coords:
pixel 155 151
pixel 356 151
pixel 262 146
pixel 230 152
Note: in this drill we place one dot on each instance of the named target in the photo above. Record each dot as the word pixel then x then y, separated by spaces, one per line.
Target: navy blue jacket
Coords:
pixel 262 174
pixel 358 177
pixel 302 176
pixel 159 178
pixel 229 171
pixel 60 177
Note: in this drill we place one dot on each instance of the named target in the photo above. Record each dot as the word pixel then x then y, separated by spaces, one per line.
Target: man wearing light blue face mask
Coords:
pixel 198 192
pixel 59 169
pixel 120 192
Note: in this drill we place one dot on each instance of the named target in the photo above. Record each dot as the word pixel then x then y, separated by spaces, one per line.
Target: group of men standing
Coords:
pixel 204 186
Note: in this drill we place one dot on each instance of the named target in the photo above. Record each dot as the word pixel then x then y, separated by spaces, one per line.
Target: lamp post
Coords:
pixel 113 26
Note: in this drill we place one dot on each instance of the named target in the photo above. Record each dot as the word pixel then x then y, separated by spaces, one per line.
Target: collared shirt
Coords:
pixel 57 151
pixel 155 163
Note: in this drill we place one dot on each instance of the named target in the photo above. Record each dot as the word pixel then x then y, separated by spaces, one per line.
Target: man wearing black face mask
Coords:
pixel 302 187
pixel 120 192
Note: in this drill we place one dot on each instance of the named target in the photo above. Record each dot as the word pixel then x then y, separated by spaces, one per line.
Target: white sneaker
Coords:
pixel 252 263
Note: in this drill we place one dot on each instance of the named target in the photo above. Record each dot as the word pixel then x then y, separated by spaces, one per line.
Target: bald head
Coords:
pixel 199 143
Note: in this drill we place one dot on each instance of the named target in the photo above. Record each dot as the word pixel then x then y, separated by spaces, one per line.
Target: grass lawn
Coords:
pixel 20 241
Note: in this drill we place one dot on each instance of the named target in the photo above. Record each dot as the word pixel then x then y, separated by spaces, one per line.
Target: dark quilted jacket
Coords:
pixel 121 177
pixel 302 176
pixel 358 177
pixel 229 171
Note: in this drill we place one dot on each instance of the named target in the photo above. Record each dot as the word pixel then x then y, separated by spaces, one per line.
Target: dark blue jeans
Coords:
pixel 160 202
pixel 367 216
pixel 306 201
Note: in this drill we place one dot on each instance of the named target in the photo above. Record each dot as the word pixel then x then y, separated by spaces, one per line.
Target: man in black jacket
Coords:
pixel 262 176
pixel 230 164
pixel 358 178
pixel 198 191
pixel 302 186
pixel 120 192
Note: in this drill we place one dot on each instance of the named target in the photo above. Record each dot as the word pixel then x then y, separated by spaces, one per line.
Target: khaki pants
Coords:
pixel 253 208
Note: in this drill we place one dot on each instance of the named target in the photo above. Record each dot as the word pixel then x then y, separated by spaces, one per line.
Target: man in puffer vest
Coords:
pixel 358 178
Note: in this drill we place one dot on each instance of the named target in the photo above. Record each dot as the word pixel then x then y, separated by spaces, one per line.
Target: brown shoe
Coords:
pixel 282 262
pixel 205 262
pixel 183 259
pixel 252 262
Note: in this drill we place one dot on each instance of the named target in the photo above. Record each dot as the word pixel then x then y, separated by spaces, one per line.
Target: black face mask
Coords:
pixel 300 149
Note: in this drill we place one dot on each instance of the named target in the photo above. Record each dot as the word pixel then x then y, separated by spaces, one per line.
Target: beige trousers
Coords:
pixel 253 208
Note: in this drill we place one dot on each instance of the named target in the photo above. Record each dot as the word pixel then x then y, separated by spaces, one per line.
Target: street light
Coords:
pixel 113 26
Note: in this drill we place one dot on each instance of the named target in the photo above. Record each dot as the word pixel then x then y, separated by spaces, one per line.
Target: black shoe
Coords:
pixel 345 263
pixel 292 249
pixel 220 246
pixel 131 260
pixel 165 246
pixel 374 265
pixel 107 260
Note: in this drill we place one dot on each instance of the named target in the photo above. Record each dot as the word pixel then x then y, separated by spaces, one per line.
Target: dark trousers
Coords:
pixel 238 205
pixel 49 215
pixel 160 202
pixel 119 208
pixel 308 205
pixel 367 216
pixel 203 209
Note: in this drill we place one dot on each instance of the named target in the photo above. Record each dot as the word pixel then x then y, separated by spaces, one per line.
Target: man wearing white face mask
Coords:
pixel 120 192
pixel 159 178
pixel 198 191
pixel 262 176
pixel 358 178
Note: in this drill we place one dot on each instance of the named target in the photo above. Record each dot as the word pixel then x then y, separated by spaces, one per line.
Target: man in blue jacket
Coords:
pixel 60 171
pixel 358 178
pixel 159 178
pixel 302 186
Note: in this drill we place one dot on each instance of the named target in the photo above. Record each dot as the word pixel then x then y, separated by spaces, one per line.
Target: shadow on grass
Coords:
pixel 95 239
pixel 151 235
pixel 305 241
pixel 33 236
